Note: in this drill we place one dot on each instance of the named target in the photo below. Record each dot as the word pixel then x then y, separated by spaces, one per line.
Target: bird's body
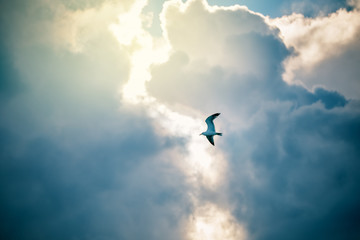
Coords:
pixel 210 132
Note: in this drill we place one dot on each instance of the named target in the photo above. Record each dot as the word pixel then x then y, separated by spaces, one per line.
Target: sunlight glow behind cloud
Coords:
pixel 202 167
pixel 209 222
pixel 144 50
pixel 102 104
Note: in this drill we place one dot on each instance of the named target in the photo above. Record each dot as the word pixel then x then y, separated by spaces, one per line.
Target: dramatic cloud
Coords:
pixel 321 45
pixel 76 163
pixel 233 58
pixel 101 115
pixel 291 152
pixel 300 174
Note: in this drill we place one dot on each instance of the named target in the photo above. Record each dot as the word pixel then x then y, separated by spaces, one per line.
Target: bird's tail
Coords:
pixel 220 134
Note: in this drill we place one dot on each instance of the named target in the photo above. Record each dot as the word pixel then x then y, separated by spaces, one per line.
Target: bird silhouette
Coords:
pixel 210 132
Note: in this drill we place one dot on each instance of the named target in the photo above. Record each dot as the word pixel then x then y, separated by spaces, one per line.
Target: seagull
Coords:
pixel 210 132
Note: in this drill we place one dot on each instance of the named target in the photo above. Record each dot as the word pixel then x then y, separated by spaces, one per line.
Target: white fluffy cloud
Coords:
pixel 229 57
pixel 208 30
pixel 326 50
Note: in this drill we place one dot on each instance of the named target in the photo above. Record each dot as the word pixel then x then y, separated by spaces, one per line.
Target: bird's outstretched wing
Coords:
pixel 210 124
pixel 211 139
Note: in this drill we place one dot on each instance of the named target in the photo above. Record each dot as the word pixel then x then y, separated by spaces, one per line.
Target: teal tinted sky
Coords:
pixel 101 110
pixel 279 8
pixel 275 8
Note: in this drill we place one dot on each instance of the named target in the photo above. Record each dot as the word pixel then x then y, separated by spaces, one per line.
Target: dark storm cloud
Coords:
pixel 10 82
pixel 9 79
pixel 306 167
pixel 95 177
pixel 75 162
pixel 108 188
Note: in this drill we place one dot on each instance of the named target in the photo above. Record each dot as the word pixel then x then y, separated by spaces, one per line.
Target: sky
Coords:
pixel 102 103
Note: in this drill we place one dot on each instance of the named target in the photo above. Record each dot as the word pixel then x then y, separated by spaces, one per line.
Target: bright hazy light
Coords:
pixel 144 50
pixel 129 25
pixel 212 223
pixel 202 164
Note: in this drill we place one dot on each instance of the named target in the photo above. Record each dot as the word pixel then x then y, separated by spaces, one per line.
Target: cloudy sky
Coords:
pixel 102 103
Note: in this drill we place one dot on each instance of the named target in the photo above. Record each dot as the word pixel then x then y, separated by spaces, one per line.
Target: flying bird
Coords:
pixel 210 132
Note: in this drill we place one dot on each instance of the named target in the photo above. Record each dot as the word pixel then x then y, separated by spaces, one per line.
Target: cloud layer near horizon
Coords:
pixel 77 162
